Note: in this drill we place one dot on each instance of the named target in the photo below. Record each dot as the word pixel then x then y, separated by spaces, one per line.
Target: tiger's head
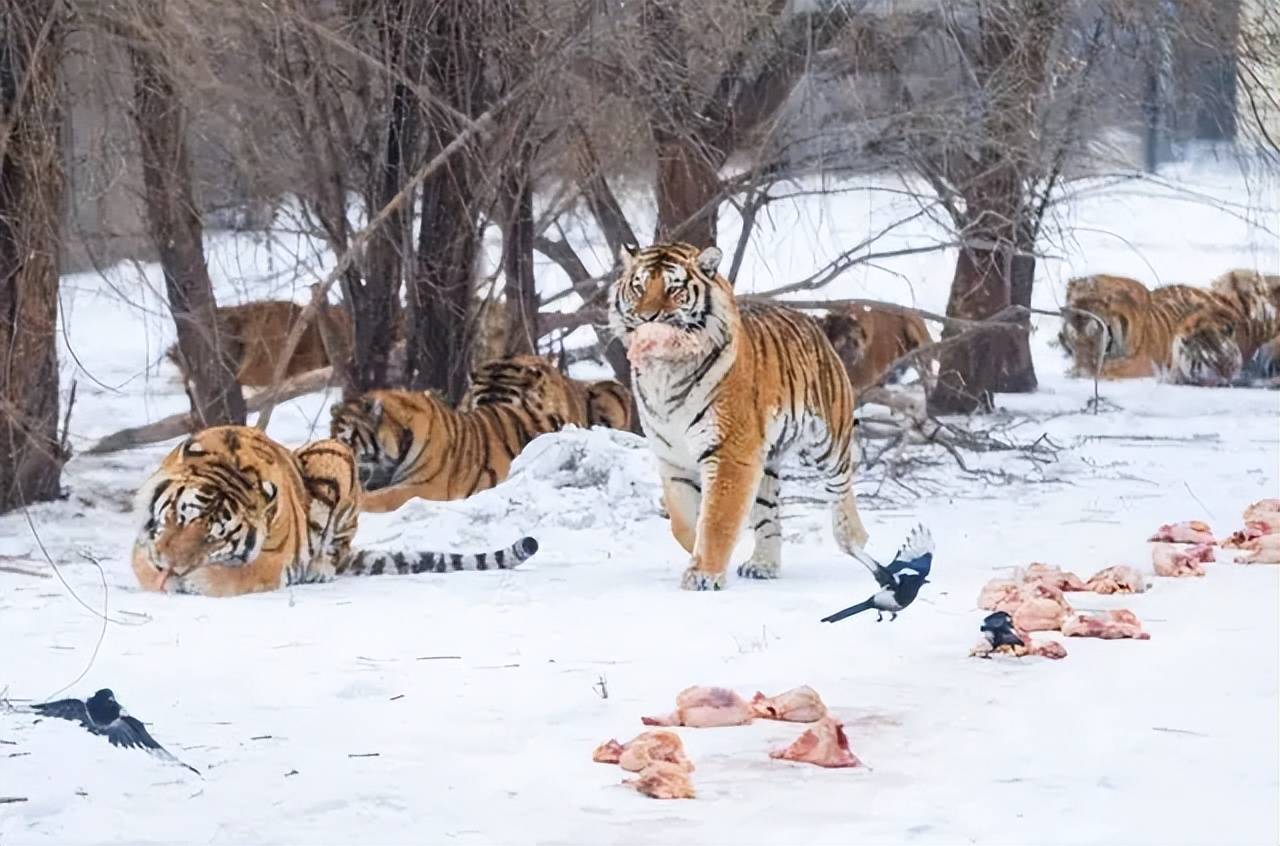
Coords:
pixel 386 430
pixel 848 335
pixel 1095 326
pixel 1206 349
pixel 669 303
pixel 210 502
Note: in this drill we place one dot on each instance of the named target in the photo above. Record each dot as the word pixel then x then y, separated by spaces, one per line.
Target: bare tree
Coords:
pixel 31 186
pixel 207 351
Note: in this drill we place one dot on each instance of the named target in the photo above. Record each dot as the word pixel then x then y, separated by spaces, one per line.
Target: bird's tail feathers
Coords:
pixel 850 611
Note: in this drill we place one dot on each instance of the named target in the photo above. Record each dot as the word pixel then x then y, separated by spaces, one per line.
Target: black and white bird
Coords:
pixel 998 629
pixel 101 714
pixel 900 582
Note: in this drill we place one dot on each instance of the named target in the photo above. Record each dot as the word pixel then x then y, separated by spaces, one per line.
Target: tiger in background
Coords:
pixel 413 444
pixel 725 392
pixel 1232 337
pixel 868 340
pixel 230 511
pixel 256 333
pixel 1121 303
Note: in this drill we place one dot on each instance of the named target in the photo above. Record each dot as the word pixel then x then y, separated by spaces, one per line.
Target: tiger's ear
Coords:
pixel 627 255
pixel 709 260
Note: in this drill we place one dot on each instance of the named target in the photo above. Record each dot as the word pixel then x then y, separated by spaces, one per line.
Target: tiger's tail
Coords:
pixel 376 562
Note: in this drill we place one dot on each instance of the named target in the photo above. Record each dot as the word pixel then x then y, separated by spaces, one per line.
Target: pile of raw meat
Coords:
pixel 1035 597
pixel 659 759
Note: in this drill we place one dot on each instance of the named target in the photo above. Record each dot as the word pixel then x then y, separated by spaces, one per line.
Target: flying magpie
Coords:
pixel 900 582
pixel 102 714
pixel 998 629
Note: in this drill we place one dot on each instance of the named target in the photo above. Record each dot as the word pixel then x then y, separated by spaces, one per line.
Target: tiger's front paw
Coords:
pixel 695 579
pixel 758 569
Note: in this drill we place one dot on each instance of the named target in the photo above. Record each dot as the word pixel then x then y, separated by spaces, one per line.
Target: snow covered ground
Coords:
pixel 464 707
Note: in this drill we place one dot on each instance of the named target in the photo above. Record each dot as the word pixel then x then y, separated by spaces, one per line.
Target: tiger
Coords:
pixel 255 333
pixel 1120 302
pixel 725 391
pixel 1214 345
pixel 413 444
pixel 231 511
pixel 868 340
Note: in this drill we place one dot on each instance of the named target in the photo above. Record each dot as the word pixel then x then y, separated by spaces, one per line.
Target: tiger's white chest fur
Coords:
pixel 675 404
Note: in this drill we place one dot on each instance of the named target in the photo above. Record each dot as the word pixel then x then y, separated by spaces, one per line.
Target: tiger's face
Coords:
pixel 380 442
pixel 1206 350
pixel 847 335
pixel 1084 338
pixel 669 303
pixel 203 508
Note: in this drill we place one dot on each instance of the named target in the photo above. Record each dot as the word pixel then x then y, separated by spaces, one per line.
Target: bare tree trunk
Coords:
pixel 375 300
pixel 441 294
pixel 179 236
pixel 972 371
pixel 31 188
pixel 687 186
pixel 520 289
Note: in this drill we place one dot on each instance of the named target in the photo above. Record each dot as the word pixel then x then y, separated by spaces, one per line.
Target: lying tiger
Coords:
pixel 413 444
pixel 726 392
pixel 1233 336
pixel 868 340
pixel 1121 304
pixel 231 511
pixel 256 332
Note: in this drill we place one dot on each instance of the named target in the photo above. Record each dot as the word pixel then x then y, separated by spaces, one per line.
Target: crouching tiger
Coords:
pixel 413 444
pixel 231 511
pixel 726 393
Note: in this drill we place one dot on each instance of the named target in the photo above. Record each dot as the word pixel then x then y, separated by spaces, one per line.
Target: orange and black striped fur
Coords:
pixel 413 444
pixel 868 340
pixel 256 332
pixel 1113 346
pixel 1230 337
pixel 747 387
pixel 231 511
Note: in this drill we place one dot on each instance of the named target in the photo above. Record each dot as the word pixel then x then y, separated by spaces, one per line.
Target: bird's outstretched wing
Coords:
pixel 883 577
pixel 130 733
pixel 65 709
pixel 916 554
pixel 850 611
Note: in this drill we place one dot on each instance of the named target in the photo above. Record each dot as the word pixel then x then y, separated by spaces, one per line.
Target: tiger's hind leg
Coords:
pixel 766 558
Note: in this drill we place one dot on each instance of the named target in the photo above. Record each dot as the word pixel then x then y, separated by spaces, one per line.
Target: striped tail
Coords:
pixel 374 562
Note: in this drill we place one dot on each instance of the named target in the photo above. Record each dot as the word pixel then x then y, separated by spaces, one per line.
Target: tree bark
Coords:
pixel 520 289
pixel 971 371
pixel 179 236
pixel 31 195
pixel 441 294
pixel 375 299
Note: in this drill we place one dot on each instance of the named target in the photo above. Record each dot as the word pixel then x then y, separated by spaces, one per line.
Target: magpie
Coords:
pixel 101 714
pixel 998 629
pixel 900 582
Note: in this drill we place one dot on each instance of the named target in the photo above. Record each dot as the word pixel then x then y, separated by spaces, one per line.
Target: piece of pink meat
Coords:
pixel 662 780
pixel 705 707
pixel 1174 560
pixel 1188 531
pixel 1263 550
pixel 798 705
pixel 1118 579
pixel 1110 625
pixel 824 744
pixel 1035 607
pixel 1056 576
pixel 643 750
